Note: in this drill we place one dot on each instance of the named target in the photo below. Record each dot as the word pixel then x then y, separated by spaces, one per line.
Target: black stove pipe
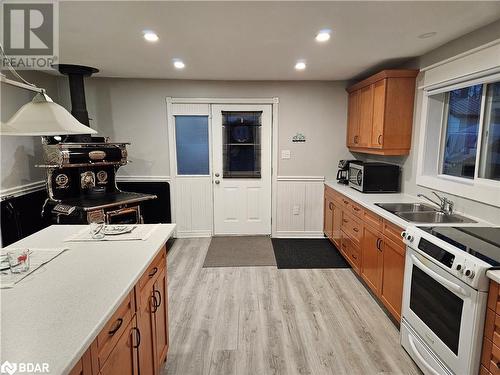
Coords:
pixel 76 75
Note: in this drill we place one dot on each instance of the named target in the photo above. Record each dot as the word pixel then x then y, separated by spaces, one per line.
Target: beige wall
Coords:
pixel 135 110
pixel 18 155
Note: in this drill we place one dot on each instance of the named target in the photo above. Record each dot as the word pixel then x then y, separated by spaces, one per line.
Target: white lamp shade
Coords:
pixel 43 117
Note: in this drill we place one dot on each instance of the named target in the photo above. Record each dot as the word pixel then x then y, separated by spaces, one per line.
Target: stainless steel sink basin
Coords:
pixel 406 207
pixel 433 217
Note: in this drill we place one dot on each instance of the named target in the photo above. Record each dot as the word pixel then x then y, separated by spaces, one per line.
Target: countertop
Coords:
pixel 368 201
pixel 55 313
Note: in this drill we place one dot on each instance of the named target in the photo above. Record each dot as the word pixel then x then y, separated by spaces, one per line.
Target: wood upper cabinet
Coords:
pixel 365 116
pixel 371 266
pixel 393 265
pixel 380 113
pixel 353 119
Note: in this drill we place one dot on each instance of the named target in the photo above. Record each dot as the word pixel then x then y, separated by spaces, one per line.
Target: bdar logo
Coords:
pixel 8 368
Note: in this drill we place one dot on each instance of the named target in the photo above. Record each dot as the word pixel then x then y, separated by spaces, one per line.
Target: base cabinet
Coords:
pixel 371 245
pixel 393 265
pixel 135 339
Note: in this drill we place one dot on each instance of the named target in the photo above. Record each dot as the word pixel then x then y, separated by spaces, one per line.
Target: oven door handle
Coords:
pixel 450 285
pixel 419 356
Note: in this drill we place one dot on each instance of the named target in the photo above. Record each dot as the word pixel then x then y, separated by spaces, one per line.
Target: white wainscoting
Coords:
pixel 193 206
pixel 22 189
pixel 299 206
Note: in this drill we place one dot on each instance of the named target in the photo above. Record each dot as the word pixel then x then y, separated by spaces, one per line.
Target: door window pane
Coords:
pixel 437 307
pixel 191 138
pixel 490 147
pixel 241 144
pixel 461 132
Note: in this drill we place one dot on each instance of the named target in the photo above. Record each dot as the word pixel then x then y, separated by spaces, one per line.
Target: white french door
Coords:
pixel 241 170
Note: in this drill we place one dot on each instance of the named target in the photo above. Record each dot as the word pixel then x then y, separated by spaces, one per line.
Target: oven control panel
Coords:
pixel 462 265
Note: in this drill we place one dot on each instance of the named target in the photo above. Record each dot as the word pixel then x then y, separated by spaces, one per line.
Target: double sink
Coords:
pixel 423 213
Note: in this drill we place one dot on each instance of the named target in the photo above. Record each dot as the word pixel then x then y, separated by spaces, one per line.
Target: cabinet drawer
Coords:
pixel 351 252
pixel 494 365
pixel 492 327
pixel 153 270
pixel 110 334
pixel 352 227
pixel 493 300
pixel 373 220
pixel 345 203
pixel 356 209
pixel 393 232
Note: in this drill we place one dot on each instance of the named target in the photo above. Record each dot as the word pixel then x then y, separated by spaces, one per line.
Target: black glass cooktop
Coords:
pixel 482 242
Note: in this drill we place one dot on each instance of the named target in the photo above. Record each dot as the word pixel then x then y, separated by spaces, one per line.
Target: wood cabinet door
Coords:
pixel 145 322
pixel 336 225
pixel 328 217
pixel 161 317
pixel 123 358
pixel 365 116
pixel 371 265
pixel 379 90
pixel 393 265
pixel 353 119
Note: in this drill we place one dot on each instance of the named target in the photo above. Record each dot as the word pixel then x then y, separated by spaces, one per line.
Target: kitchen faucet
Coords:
pixel 445 205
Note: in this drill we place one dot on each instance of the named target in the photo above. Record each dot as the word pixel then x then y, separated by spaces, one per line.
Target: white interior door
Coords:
pixel 241 155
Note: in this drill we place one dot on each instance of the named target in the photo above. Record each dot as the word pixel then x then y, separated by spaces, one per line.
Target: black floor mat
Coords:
pixel 292 253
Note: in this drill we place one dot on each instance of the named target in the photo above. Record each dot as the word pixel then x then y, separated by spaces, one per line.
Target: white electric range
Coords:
pixel 445 296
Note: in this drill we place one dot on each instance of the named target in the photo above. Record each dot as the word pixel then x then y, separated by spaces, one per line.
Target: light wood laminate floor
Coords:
pixel 261 320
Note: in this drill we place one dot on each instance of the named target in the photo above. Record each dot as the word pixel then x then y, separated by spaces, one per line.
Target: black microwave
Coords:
pixel 372 177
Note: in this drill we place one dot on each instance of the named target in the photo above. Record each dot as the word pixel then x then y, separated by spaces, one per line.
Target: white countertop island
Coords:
pixel 55 313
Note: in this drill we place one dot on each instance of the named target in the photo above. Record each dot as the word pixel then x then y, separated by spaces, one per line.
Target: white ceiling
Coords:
pixel 258 40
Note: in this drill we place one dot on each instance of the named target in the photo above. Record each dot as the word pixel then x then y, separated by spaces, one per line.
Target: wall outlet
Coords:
pixel 296 210
pixel 285 154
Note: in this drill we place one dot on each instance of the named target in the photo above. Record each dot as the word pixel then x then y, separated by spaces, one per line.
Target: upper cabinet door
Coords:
pixel 365 116
pixel 377 140
pixel 353 119
pixel 380 113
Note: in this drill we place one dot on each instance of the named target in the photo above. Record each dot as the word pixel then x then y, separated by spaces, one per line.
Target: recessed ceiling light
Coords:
pixel 323 35
pixel 427 35
pixel 150 36
pixel 301 65
pixel 179 64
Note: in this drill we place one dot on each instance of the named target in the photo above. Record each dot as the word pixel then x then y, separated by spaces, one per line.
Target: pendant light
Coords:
pixel 40 117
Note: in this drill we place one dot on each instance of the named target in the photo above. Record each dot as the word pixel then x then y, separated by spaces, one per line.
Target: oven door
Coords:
pixel 444 312
pixel 356 177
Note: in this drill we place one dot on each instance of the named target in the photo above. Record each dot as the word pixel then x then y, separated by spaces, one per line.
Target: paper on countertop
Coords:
pixel 38 257
pixel 140 233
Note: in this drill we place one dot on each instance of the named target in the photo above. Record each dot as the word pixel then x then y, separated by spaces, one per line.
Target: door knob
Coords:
pixel 217 182
pixel 217 175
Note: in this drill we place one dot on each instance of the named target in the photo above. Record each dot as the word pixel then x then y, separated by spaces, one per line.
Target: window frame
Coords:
pixel 478 188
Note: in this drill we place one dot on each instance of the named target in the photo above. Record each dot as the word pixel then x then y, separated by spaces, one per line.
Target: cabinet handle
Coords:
pixel 155 269
pixel 119 323
pixel 379 139
pixel 330 206
pixel 137 337
pixel 379 243
pixel 356 139
pixel 356 208
pixel 345 202
pixel 355 229
pixel 345 221
pixel 159 297
pixel 155 304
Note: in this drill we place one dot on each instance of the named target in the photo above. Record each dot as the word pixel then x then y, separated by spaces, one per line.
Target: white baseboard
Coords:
pixel 298 234
pixel 193 234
